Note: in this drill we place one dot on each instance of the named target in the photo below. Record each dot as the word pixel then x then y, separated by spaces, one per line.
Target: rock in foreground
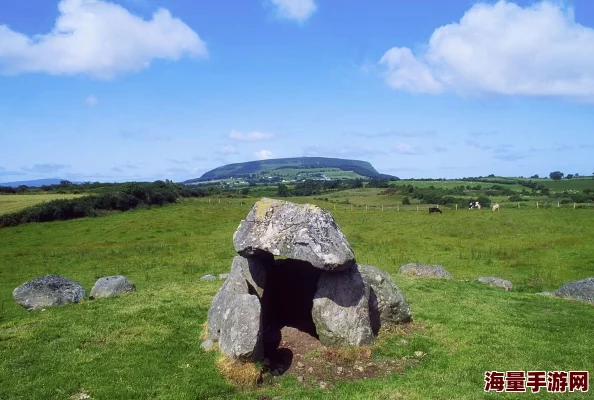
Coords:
pixel 47 291
pixel 578 290
pixel 416 269
pixel 299 231
pixel 111 286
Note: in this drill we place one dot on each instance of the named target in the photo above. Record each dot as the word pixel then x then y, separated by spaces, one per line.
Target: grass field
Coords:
pixel 15 202
pixel 147 344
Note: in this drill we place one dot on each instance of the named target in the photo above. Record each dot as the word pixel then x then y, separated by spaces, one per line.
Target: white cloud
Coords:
pixel 403 148
pixel 100 39
pixel 298 10
pixel 263 154
pixel 228 150
pixel 249 136
pixel 91 100
pixel 501 48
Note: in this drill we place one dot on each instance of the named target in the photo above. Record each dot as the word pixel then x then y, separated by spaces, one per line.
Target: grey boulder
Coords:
pixel 234 285
pixel 416 269
pixel 298 231
pixel 47 291
pixel 340 309
pixel 496 282
pixel 111 286
pixel 241 329
pixel 387 304
pixel 578 290
pixel 208 277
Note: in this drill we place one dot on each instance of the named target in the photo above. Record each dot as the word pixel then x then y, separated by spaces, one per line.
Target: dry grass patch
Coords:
pixel 242 375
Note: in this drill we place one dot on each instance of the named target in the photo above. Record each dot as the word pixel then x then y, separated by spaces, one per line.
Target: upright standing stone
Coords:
pixel 341 309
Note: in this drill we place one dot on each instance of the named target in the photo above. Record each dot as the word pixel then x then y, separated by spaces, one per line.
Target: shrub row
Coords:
pixel 122 198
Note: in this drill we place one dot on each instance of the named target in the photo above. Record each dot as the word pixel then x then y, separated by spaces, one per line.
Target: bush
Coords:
pixel 405 201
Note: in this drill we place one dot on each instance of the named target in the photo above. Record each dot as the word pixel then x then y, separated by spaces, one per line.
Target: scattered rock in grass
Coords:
pixel 496 282
pixel 111 286
pixel 578 290
pixel 297 231
pixel 223 276
pixel 300 379
pixel 323 385
pixel 300 364
pixel 208 277
pixel 207 345
pixel 419 354
pixel 416 269
pixel 47 291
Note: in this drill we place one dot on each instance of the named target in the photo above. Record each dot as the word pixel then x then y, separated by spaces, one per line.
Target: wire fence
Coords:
pixel 411 207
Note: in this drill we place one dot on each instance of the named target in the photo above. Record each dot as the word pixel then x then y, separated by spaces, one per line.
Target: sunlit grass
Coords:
pixel 15 202
pixel 147 344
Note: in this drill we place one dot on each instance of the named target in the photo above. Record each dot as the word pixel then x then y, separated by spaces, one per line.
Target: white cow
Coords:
pixel 495 207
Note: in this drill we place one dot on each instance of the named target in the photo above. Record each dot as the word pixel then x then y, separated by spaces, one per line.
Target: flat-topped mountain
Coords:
pixel 292 169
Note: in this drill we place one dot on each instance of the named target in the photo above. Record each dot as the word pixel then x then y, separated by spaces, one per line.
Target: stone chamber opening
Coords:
pixel 287 303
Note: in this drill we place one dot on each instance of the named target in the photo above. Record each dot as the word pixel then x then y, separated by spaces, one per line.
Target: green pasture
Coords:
pixel 146 345
pixel 15 202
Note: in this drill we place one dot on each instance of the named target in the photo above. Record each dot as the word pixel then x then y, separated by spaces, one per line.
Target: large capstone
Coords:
pixel 47 291
pixel 297 231
pixel 341 309
pixel 387 305
pixel 241 329
pixel 111 286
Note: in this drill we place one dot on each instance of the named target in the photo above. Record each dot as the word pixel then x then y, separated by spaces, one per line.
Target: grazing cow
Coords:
pixel 474 204
pixel 434 210
pixel 495 207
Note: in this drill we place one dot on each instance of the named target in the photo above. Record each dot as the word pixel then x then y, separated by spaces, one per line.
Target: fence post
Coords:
pixel 537 204
pixel 456 207
pixel 574 206
pixel 558 205
pixel 335 206
pixel 397 208
pixel 518 205
pixel 417 208
pixel 365 207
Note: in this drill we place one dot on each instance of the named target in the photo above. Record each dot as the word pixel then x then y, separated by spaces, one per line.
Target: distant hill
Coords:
pixel 33 183
pixel 294 169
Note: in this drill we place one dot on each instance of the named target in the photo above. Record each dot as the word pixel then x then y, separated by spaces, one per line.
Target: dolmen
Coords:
pixel 296 268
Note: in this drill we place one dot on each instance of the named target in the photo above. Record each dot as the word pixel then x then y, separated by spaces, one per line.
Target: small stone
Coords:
pixel 207 345
pixel 276 372
pixel 300 379
pixel 323 385
pixel 300 364
pixel 208 277
pixel 360 369
pixel 419 354
pixel 223 276
pixel 340 369
pixel 310 370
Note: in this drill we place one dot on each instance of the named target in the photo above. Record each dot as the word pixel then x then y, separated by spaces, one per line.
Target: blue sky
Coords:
pixel 169 89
